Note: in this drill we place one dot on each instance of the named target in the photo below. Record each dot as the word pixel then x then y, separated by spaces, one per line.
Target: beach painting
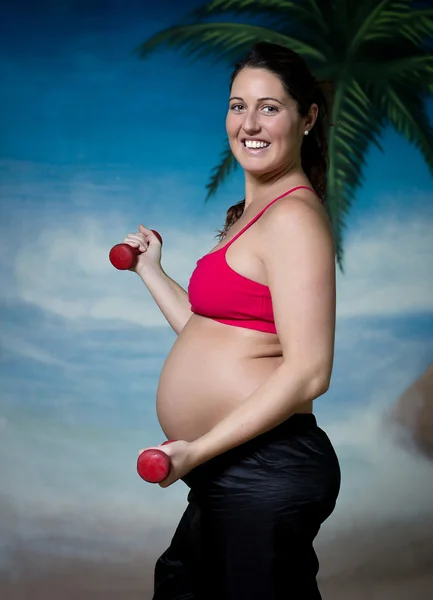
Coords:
pixel 113 115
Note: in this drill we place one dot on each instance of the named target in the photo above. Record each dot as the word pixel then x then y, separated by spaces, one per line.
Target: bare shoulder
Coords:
pixel 301 207
pixel 299 219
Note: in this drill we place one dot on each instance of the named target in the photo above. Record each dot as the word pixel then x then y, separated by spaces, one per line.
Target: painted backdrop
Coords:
pixel 95 141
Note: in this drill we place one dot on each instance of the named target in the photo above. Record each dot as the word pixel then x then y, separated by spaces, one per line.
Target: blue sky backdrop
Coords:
pixel 94 142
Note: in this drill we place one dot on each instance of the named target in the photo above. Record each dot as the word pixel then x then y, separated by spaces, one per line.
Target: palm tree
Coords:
pixel 378 53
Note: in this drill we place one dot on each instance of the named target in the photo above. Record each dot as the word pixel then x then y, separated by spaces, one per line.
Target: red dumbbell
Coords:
pixel 123 256
pixel 153 465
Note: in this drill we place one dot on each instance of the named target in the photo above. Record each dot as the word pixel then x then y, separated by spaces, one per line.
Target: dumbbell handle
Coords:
pixel 123 256
pixel 153 465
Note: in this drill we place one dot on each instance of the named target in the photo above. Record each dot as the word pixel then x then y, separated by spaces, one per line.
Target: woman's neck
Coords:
pixel 260 190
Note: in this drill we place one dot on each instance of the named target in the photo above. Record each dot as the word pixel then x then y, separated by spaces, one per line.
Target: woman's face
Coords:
pixel 263 125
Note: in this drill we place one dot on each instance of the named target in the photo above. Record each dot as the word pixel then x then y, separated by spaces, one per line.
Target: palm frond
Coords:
pixel 416 26
pixel 416 71
pixel 407 113
pixel 382 16
pixel 252 8
pixel 413 25
pixel 220 173
pixel 223 41
pixel 285 13
pixel 323 12
pixel 358 125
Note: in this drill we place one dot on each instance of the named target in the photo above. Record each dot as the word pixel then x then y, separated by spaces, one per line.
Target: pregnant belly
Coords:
pixel 211 368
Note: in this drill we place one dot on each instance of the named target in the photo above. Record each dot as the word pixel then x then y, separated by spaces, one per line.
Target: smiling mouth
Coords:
pixel 255 146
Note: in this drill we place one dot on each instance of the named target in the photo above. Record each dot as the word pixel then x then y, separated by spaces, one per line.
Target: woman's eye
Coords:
pixel 269 109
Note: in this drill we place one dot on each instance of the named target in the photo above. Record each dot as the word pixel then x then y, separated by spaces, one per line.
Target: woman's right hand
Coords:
pixel 149 246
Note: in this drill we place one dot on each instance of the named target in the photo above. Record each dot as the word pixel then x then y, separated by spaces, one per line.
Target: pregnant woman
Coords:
pixel 254 350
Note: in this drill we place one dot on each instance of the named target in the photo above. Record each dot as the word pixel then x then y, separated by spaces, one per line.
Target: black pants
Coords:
pixel 253 513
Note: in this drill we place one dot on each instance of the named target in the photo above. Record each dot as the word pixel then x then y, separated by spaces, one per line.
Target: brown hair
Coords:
pixel 300 84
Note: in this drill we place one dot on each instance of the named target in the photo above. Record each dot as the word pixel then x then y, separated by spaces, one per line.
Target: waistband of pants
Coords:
pixel 297 424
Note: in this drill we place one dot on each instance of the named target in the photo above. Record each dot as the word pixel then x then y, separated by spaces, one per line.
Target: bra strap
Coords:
pixel 254 219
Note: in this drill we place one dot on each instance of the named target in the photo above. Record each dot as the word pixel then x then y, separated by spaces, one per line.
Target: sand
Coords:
pixel 386 562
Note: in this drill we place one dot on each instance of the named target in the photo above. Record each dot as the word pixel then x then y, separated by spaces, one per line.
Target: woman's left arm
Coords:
pixel 299 257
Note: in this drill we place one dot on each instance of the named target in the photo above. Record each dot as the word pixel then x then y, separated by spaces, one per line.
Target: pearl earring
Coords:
pixel 306 132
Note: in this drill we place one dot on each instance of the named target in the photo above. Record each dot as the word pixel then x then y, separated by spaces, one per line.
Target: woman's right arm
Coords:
pixel 170 297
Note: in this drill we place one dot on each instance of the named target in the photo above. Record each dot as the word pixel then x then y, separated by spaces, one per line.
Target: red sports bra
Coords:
pixel 217 291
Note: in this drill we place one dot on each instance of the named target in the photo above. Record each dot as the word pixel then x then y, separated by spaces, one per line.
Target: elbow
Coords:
pixel 320 371
pixel 310 382
pixel 320 381
pixel 315 385
pixel 322 386
pixel 313 381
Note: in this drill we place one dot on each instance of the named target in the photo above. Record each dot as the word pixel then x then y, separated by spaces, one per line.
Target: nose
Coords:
pixel 251 124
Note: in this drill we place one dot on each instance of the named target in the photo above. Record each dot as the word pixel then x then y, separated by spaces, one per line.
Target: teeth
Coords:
pixel 254 144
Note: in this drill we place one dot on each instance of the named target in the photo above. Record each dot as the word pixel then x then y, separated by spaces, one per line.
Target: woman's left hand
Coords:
pixel 182 459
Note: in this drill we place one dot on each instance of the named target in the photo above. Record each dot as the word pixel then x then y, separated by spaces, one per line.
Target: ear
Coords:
pixel 311 118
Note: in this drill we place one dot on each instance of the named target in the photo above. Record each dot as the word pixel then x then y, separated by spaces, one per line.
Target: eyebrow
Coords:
pixel 258 99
